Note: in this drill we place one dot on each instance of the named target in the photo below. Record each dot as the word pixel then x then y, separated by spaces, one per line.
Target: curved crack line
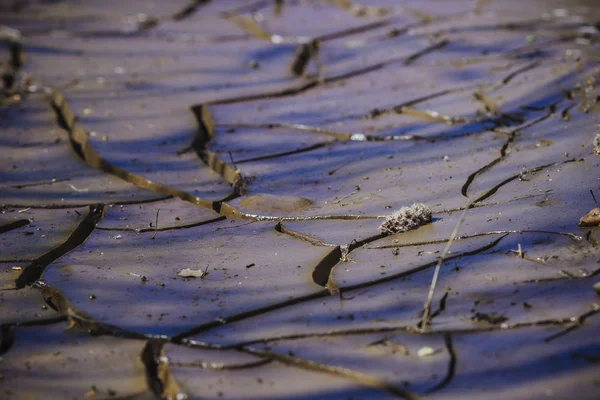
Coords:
pixel 484 195
pixel 314 82
pixel 34 271
pixel 16 224
pixel 578 322
pixel 436 46
pixel 468 236
pixel 512 136
pixel 423 267
pixel 504 81
pixel 451 365
pixel 566 276
pixel 81 145
pixel 181 338
pixel 495 188
pixel 284 153
pixel 406 328
pixel 63 206
pixel 33 184
pixel 376 113
pixel 170 228
pixel 343 372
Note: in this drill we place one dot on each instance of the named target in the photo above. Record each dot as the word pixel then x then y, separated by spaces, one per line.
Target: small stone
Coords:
pixel 425 352
pixel 597 287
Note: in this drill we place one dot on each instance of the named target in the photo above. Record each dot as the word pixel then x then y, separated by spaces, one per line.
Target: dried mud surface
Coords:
pixel 191 195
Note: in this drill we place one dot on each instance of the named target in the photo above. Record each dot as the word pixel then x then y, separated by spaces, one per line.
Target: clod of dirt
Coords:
pixel 272 204
pixel 492 318
pixel 597 287
pixel 591 218
pixel 406 219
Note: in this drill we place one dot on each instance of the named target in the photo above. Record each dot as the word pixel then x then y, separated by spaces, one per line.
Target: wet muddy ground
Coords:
pixel 192 195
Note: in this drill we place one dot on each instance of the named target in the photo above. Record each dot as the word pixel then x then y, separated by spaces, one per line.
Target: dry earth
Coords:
pixel 191 194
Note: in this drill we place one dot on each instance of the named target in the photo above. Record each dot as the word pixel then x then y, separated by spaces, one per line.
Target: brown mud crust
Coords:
pixel 299 199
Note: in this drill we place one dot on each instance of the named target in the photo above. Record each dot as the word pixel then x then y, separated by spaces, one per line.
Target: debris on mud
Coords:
pixel 592 217
pixel 191 273
pixel 492 318
pixel 426 352
pixel 597 144
pixel 406 219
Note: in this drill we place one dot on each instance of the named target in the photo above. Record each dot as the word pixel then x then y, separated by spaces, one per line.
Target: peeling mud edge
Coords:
pixel 206 131
pixel 59 302
pixel 34 271
pixel 81 145
pixel 19 223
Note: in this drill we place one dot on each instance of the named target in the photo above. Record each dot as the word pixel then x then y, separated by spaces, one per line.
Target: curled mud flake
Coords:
pixel 191 273
pixel 406 219
pixel 591 218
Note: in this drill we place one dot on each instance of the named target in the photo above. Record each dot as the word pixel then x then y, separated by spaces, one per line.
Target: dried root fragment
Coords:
pixel 406 219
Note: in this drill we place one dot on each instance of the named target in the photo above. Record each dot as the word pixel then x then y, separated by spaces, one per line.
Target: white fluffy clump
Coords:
pixel 405 219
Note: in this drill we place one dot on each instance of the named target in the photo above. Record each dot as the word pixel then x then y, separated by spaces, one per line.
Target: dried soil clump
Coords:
pixel 406 219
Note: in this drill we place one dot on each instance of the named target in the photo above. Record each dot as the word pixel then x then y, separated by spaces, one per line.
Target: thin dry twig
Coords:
pixel 427 307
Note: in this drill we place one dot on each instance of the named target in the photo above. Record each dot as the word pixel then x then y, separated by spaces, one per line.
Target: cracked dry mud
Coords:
pixel 259 146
